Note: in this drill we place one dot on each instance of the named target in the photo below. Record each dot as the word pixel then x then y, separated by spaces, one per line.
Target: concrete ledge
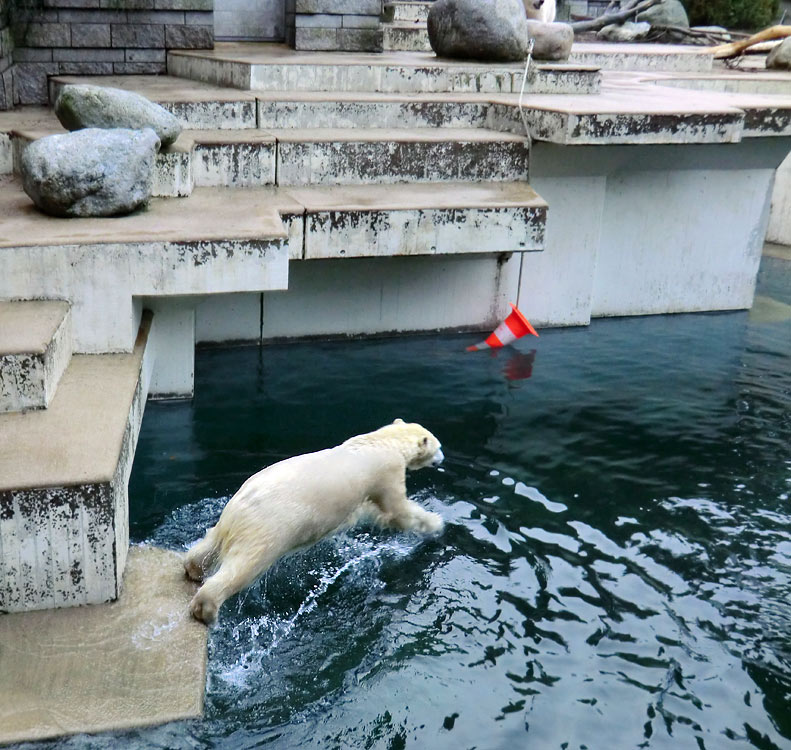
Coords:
pixel 379 155
pixel 415 219
pixel 136 662
pixel 643 57
pixel 272 67
pixel 64 516
pixel 174 247
pixel 35 349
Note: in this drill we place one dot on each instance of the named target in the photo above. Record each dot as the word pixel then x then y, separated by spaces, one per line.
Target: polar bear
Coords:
pixel 296 502
pixel 540 10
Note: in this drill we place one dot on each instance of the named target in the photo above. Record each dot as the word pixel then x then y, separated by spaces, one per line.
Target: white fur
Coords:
pixel 540 10
pixel 296 502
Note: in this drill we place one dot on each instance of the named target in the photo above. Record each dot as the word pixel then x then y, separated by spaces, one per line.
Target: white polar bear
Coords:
pixel 540 10
pixel 296 502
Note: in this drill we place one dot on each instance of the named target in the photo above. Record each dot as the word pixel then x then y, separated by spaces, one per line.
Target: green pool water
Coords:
pixel 615 570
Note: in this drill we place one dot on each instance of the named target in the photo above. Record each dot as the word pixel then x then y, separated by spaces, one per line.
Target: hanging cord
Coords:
pixel 522 91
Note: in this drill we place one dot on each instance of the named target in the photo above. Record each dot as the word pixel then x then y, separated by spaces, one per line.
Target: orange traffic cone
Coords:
pixel 512 328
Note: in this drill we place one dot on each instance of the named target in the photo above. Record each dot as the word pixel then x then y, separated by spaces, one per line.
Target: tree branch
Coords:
pixel 622 15
pixel 736 48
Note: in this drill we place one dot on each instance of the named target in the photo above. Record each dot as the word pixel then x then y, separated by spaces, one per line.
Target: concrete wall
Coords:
pixel 250 20
pixel 636 230
pixel 100 37
pixel 344 25
pixel 780 218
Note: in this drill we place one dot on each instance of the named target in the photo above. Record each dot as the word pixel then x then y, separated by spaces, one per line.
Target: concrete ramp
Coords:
pixel 138 661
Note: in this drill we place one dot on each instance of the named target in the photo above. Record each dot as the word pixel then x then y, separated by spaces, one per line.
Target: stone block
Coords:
pixel 194 5
pixel 6 42
pixel 316 39
pixel 360 22
pixel 139 68
pixel 138 35
pixel 7 90
pixel 32 54
pixel 30 82
pixel 70 55
pixel 145 55
pixel 318 21
pixel 360 7
pixel 129 4
pixel 84 15
pixel 30 14
pixel 43 35
pixel 61 4
pixel 90 35
pixel 198 18
pixel 360 40
pixel 189 37
pixel 86 68
pixel 164 17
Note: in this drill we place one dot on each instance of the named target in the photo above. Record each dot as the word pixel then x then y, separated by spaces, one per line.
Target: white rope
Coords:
pixel 522 91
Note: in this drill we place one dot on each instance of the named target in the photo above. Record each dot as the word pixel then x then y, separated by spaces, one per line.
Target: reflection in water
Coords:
pixel 615 572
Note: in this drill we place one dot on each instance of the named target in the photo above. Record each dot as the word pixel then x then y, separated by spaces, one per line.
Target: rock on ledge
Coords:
pixel 91 172
pixel 82 106
pixel 487 30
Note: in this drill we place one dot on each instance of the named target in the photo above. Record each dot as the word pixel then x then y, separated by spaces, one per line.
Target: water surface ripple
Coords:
pixel 615 571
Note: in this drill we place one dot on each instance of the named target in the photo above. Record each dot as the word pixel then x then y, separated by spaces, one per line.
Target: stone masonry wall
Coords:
pixel 100 37
pixel 6 56
pixel 345 25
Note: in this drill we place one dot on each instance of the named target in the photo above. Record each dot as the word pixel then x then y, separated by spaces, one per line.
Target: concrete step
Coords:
pixel 405 10
pixel 274 67
pixel 310 109
pixel 213 241
pixel 197 105
pixel 640 56
pixel 410 36
pixel 420 219
pixel 355 156
pixel 35 349
pixel 64 518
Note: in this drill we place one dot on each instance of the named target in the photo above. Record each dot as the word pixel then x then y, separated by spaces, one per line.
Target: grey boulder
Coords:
pixel 552 41
pixel 626 32
pixel 780 57
pixel 667 13
pixel 488 30
pixel 82 106
pixel 92 172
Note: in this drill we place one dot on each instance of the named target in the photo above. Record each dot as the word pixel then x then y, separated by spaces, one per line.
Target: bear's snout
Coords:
pixel 537 4
pixel 437 458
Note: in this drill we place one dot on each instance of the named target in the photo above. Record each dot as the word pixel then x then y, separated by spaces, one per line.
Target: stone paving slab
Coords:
pixel 135 662
pixel 28 327
pixel 207 214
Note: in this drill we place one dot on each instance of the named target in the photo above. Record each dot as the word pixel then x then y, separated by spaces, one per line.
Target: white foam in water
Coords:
pixel 252 631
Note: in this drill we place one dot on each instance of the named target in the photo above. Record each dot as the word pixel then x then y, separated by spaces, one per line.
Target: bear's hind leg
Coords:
pixel 236 571
pixel 200 558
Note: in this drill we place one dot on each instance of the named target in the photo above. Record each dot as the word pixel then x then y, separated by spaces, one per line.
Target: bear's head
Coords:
pixel 421 447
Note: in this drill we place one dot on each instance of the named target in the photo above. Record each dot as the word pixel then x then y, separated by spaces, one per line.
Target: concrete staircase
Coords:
pixel 67 441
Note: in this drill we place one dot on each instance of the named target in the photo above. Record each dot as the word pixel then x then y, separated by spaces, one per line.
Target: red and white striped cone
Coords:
pixel 512 328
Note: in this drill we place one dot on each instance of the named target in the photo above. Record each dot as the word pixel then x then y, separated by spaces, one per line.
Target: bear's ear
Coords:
pixel 424 442
pixel 398 421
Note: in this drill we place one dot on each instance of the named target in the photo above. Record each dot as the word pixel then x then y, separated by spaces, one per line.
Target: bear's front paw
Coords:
pixel 429 523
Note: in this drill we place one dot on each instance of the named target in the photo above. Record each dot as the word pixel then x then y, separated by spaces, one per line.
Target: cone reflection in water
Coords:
pixel 512 328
